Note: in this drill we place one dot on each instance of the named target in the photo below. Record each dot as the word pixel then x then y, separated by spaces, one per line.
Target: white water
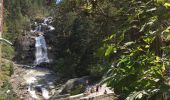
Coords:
pixel 41 50
pixel 30 81
pixel 41 78
pixel 41 54
pixel 45 93
pixel 51 28
pixel 58 1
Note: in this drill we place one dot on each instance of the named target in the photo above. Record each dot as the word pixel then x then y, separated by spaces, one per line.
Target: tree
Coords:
pixel 137 42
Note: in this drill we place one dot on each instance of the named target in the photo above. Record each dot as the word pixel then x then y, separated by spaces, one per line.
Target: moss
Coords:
pixel 78 89
pixel 7 52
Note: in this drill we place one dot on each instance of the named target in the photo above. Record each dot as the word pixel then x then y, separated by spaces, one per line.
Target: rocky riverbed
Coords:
pixel 39 83
pixel 36 83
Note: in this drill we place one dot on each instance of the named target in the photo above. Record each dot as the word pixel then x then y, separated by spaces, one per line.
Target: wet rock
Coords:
pixel 38 89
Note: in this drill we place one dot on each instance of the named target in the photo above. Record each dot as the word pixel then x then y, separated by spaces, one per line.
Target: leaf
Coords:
pixel 157 59
pixel 147 46
pixel 109 38
pixel 129 43
pixel 148 39
pixel 156 80
pixel 160 1
pixel 109 50
pixel 167 5
pixel 143 27
pixel 139 96
pixel 167 30
pixel 152 9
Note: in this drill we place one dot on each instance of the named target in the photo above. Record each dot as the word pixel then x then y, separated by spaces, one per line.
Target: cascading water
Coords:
pixel 41 55
pixel 30 88
pixel 58 1
pixel 41 50
pixel 45 93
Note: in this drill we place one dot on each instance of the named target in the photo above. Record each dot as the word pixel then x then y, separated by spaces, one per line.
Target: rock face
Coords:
pixel 24 49
pixel 73 83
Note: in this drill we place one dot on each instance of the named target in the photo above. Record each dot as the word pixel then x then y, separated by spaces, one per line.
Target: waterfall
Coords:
pixel 45 21
pixel 38 28
pixel 41 54
pixel 41 50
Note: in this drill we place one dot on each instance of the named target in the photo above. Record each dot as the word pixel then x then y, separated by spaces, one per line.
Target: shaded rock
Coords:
pixel 24 49
pixel 38 89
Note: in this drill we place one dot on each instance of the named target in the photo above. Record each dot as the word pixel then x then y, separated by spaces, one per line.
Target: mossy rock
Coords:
pixel 78 89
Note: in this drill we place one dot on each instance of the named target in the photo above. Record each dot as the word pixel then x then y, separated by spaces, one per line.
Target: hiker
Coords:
pixel 105 92
pixel 87 91
pixel 97 88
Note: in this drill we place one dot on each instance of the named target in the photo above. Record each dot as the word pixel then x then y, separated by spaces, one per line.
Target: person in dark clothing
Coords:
pixel 97 88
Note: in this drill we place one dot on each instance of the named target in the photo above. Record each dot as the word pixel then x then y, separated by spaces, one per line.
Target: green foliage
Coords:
pixel 79 32
pixel 137 72
pixel 6 69
pixel 6 92
pixel 139 69
pixel 97 71
pixel 5 74
pixel 18 16
pixel 7 52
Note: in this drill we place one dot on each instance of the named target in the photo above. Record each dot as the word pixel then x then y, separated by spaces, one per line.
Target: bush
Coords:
pixel 6 92
pixel 141 75
pixel 6 70
pixel 7 52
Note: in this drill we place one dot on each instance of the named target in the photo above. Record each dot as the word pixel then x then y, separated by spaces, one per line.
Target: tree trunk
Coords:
pixel 1 23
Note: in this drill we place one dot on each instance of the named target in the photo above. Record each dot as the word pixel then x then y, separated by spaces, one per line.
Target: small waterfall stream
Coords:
pixel 41 56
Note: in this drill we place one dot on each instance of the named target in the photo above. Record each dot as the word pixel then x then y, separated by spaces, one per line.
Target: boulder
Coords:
pixel 72 84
